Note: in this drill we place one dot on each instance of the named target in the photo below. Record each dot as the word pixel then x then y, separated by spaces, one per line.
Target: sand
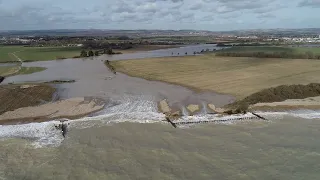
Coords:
pixel 69 108
pixel 193 108
pixel 307 103
pixel 164 107
pixel 213 108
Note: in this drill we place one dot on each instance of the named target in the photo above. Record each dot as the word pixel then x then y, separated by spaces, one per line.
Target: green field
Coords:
pixel 37 53
pixel 272 52
pixel 14 70
pixel 5 53
pixel 273 49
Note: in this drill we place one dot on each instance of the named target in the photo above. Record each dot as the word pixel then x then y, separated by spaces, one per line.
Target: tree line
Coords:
pixel 90 53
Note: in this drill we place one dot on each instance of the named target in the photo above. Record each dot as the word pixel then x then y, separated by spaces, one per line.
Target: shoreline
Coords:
pixel 72 108
pixel 312 103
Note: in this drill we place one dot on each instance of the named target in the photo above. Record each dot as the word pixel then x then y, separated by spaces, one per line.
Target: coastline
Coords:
pixel 312 103
pixel 70 108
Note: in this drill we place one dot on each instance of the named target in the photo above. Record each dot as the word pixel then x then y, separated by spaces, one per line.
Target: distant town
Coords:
pixel 76 38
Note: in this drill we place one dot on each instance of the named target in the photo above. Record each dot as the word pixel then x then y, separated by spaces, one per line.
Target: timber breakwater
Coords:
pixel 218 115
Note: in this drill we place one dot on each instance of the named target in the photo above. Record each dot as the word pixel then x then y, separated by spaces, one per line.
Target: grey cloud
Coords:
pixel 310 3
pixel 266 16
pixel 196 6
pixel 227 6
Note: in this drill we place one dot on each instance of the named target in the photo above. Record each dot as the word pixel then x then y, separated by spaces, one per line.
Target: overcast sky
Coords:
pixel 212 15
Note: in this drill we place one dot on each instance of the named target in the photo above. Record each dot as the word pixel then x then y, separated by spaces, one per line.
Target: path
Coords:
pixel 20 60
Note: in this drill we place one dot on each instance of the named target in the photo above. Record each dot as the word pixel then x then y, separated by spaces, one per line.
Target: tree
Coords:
pixel 90 53
pixel 96 53
pixel 109 51
pixel 83 53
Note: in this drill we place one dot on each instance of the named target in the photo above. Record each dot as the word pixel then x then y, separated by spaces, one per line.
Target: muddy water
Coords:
pixel 286 148
pixel 94 79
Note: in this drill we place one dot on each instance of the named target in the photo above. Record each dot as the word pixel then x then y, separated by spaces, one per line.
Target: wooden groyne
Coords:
pixel 175 124
pixel 257 115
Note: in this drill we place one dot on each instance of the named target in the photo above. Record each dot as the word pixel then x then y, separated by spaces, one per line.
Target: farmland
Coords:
pixel 272 52
pixel 14 97
pixel 14 70
pixel 36 53
pixel 238 76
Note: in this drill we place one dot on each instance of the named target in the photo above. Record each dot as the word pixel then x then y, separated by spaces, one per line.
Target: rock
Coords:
pixel 1 79
pixel 164 107
pixel 192 108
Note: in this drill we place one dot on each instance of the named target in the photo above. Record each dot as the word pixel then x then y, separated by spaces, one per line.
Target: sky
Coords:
pixel 213 15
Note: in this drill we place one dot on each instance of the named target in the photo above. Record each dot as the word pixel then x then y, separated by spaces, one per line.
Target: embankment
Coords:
pixel 282 97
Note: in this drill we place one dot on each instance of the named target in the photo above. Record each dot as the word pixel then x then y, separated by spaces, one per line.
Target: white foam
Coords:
pixel 306 114
pixel 138 109
pixel 131 109
pixel 43 133
pixel 303 113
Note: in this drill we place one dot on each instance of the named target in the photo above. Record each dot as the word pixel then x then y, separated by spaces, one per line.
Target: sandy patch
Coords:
pixel 70 108
pixel 192 108
pixel 213 108
pixel 164 107
pixel 308 103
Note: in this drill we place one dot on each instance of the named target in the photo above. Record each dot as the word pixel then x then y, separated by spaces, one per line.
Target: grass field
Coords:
pixel 14 70
pixel 270 49
pixel 5 53
pixel 272 52
pixel 238 76
pixel 37 53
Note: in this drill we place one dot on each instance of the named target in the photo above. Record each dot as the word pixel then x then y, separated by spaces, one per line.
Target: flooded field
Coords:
pixel 129 140
pixel 94 79
pixel 285 148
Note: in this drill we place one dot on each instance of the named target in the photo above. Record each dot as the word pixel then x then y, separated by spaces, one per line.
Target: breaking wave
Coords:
pixel 138 109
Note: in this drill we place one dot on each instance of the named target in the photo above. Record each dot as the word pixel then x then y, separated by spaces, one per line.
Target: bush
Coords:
pixel 90 53
pixel 83 53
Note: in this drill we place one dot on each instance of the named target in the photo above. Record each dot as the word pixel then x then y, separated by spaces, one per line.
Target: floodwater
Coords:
pixel 129 140
pixel 8 64
pixel 94 79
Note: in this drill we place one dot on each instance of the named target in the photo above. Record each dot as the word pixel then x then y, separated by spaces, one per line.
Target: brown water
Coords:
pixel 94 79
pixel 285 148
